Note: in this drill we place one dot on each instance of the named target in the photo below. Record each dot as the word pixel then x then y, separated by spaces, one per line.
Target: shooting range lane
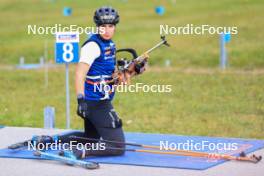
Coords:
pixel 12 135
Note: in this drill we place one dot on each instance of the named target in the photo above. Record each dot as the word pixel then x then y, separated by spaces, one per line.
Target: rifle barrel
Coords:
pixel 154 47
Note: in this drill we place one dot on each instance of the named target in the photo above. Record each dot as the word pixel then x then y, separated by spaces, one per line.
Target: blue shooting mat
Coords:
pixel 164 160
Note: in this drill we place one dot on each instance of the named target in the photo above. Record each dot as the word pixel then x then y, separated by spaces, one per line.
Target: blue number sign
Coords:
pixel 67 47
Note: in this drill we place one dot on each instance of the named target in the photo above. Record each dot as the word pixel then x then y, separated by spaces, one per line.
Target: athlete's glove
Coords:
pixel 140 67
pixel 82 109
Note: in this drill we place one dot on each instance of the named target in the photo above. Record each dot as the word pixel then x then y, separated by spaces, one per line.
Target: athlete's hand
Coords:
pixel 82 109
pixel 122 78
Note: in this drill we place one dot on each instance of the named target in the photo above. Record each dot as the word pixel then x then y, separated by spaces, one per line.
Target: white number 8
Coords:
pixel 67 52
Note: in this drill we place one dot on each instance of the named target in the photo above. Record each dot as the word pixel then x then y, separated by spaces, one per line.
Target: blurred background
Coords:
pixel 205 99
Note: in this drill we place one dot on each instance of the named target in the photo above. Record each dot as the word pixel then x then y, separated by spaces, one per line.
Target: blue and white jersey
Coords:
pixel 101 70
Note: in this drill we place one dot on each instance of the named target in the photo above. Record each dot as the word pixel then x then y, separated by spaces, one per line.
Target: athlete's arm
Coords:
pixel 81 71
pixel 89 53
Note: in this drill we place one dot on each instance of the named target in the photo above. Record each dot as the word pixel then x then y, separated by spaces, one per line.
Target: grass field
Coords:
pixel 203 101
pixel 139 28
pixel 209 102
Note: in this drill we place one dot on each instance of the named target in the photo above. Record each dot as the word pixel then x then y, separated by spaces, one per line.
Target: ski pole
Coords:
pixel 241 157
pixel 67 160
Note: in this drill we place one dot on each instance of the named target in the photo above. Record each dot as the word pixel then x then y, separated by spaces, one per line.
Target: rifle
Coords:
pixel 129 68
